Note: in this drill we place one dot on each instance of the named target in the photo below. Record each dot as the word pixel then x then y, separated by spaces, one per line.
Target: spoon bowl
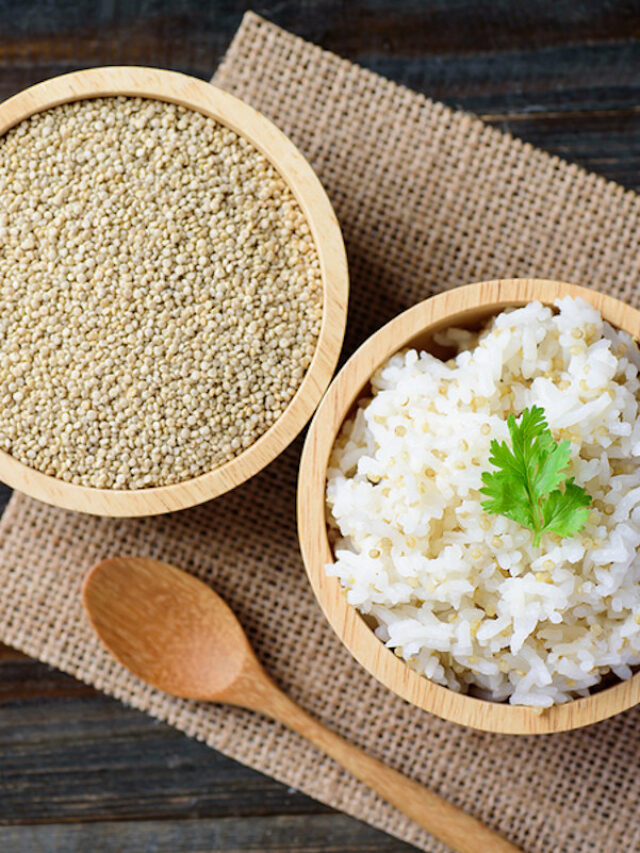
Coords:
pixel 203 654
pixel 174 632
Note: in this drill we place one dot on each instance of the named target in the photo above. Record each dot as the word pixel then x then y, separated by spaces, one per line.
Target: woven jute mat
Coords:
pixel 428 199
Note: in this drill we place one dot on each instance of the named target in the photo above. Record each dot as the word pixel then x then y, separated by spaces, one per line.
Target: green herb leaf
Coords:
pixel 526 486
pixel 566 512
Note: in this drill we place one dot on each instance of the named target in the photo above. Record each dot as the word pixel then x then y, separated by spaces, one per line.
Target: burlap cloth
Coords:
pixel 428 199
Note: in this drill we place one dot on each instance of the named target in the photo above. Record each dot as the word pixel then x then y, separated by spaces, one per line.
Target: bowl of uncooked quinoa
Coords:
pixel 173 291
pixel 469 505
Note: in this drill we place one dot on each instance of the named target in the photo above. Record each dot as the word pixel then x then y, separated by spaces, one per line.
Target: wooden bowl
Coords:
pixel 465 306
pixel 294 169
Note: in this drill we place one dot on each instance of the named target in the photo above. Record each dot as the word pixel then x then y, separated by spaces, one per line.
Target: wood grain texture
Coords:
pixel 463 306
pixel 561 74
pixel 80 771
pixel 70 754
pixel 302 834
pixel 138 606
pixel 305 186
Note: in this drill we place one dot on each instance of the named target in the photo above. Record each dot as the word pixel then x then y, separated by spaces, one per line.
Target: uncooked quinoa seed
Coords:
pixel 160 293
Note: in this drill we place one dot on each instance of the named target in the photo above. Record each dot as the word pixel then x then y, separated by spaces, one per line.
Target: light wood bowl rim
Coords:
pixel 264 135
pixel 453 306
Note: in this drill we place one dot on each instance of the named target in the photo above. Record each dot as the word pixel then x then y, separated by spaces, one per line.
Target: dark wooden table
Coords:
pixel 78 771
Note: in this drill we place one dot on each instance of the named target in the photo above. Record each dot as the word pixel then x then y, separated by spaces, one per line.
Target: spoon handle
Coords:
pixel 445 821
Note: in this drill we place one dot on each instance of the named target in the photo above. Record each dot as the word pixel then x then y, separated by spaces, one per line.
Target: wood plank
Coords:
pixel 385 27
pixel 70 754
pixel 7 653
pixel 331 833
pixel 79 767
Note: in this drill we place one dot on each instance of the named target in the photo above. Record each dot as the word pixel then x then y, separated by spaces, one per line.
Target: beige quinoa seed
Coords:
pixel 160 293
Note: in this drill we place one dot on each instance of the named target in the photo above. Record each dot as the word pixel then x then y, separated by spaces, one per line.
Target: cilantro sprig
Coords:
pixel 526 486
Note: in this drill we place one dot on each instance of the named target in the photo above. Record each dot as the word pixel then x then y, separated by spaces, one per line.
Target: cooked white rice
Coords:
pixel 464 596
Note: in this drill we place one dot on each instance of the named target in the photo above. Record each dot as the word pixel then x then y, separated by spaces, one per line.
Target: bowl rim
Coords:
pixel 458 305
pixel 177 88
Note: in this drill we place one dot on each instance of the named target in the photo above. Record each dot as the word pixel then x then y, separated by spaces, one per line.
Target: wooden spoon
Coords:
pixel 177 634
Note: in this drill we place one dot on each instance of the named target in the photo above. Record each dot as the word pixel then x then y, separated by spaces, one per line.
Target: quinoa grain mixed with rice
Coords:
pixel 464 596
pixel 160 293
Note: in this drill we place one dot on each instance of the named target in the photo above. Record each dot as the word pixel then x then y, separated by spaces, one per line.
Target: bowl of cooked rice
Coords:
pixel 469 505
